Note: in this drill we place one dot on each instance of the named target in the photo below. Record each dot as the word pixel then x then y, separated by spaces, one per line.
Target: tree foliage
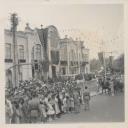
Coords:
pixel 95 65
pixel 118 64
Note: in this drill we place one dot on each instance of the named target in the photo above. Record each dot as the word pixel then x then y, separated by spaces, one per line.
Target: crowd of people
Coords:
pixel 35 101
pixel 111 85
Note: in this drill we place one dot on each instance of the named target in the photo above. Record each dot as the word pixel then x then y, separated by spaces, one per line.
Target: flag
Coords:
pixel 43 33
pixel 101 58
pixel 110 61
pixel 55 57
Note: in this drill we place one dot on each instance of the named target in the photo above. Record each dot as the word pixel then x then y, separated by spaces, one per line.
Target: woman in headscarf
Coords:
pixel 86 98
pixel 34 108
pixel 71 103
pixel 57 110
pixel 16 113
pixel 43 108
pixel 51 110
pixel 76 101
pixel 8 109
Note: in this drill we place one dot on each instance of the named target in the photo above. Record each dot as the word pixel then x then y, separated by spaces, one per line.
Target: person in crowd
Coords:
pixel 22 110
pixel 34 108
pixel 68 104
pixel 43 108
pixel 50 111
pixel 76 101
pixel 59 104
pixel 98 83
pixel 16 113
pixel 65 104
pixel 112 87
pixel 57 109
pixel 8 109
pixel 86 98
pixel 71 104
pixel 61 96
pixel 25 110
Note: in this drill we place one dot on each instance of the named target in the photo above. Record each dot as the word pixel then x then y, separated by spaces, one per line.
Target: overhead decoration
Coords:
pixel 55 57
pixel 101 58
pixel 43 34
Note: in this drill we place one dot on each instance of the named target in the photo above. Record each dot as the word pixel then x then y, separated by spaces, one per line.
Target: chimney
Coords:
pixel 41 26
pixel 27 28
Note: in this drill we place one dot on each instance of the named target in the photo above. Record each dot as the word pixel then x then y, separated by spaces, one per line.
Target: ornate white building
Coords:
pixel 42 54
pixel 74 57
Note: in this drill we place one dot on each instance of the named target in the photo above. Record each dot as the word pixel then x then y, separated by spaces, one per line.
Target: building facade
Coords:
pixel 74 57
pixel 41 53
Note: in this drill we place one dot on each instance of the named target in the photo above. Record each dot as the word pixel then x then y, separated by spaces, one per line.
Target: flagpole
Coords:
pixel 68 55
pixel 104 65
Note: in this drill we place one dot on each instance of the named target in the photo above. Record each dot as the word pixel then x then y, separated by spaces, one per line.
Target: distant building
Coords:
pixel 74 57
pixel 36 46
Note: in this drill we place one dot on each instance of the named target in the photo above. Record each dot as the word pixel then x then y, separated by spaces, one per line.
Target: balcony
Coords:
pixel 8 60
pixel 22 61
pixel 63 63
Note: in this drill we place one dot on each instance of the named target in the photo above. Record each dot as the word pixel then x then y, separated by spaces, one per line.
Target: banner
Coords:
pixel 110 61
pixel 101 58
pixel 55 57
pixel 43 34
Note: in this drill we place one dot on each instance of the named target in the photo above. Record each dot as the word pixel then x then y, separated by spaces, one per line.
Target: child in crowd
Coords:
pixel 43 111
pixel 57 110
pixel 86 98
pixel 64 104
pixel 50 111
pixel 68 104
pixel 71 104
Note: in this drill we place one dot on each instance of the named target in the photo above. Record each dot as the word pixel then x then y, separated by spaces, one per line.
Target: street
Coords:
pixel 103 108
pixel 92 86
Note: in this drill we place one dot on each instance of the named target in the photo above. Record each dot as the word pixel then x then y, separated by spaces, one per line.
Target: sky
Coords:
pixel 100 26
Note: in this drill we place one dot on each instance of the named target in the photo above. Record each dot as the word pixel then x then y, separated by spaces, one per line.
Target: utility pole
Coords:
pixel 111 59
pixel 104 61
pixel 14 23
pixel 68 56
pixel 78 53
pixel 104 56
pixel 104 65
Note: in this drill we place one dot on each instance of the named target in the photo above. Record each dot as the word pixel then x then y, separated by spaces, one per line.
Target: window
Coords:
pixel 38 52
pixel 21 52
pixel 32 53
pixel 8 51
pixel 72 55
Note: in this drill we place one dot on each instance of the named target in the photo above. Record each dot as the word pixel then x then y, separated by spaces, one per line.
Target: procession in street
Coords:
pixel 37 102
pixel 51 76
